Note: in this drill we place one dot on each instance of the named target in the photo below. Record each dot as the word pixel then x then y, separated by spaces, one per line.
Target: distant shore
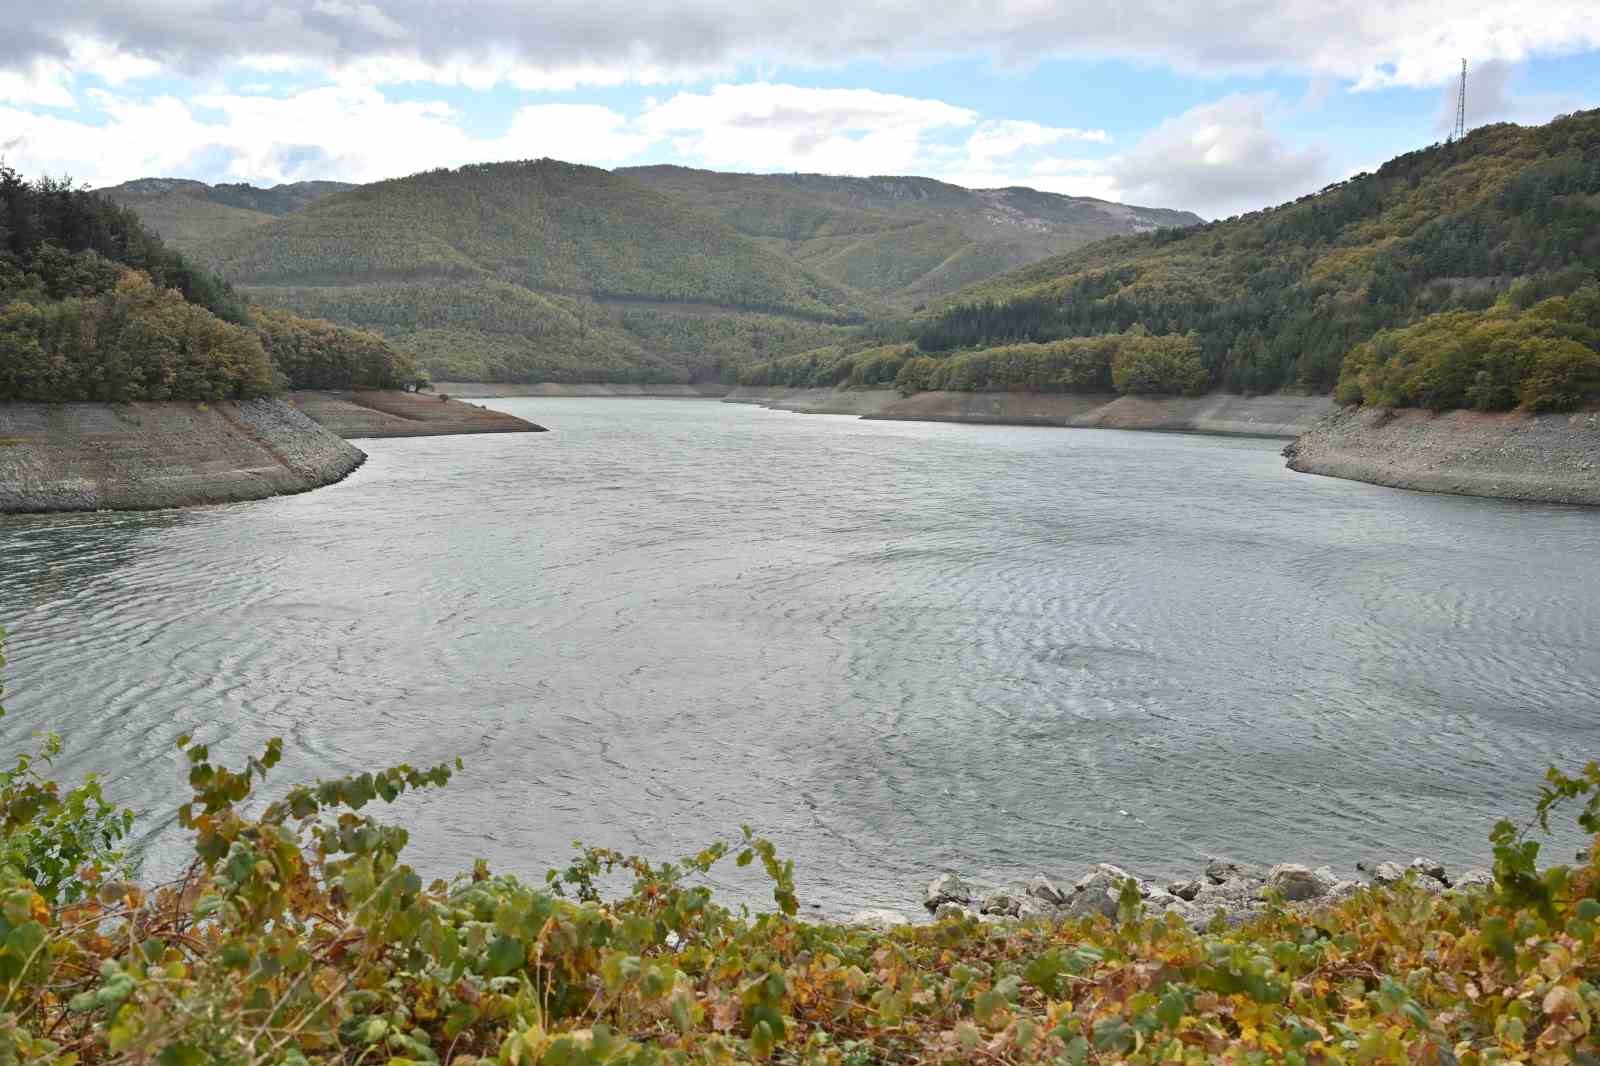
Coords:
pixel 1279 415
pixel 148 456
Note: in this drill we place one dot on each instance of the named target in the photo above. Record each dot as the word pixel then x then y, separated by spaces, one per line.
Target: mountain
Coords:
pixel 1276 298
pixel 187 213
pixel 902 240
pixel 538 270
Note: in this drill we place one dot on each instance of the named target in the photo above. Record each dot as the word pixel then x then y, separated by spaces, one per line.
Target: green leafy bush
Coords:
pixel 1544 356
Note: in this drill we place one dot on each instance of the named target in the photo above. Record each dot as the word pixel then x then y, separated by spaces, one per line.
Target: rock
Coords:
pixel 1031 909
pixel 1475 879
pixel 1003 901
pixel 1041 887
pixel 1328 875
pixel 1296 882
pixel 878 919
pixel 1431 868
pixel 1388 873
pixel 946 888
pixel 1185 890
pixel 1097 892
pixel 1221 871
pixel 953 910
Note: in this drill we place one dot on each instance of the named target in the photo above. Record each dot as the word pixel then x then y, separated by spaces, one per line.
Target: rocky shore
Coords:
pixel 142 456
pixel 1552 458
pixel 555 389
pixel 1234 891
pixel 371 414
pixel 1278 415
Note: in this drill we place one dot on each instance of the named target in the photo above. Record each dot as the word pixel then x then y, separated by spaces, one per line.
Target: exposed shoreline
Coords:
pixel 151 456
pixel 475 390
pixel 1279 415
pixel 1551 458
pixel 148 456
pixel 1237 892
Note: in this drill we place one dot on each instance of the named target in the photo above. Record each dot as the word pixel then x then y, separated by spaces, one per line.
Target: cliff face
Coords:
pixel 87 457
pixel 1552 458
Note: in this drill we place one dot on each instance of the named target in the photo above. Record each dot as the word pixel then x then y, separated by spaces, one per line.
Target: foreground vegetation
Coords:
pixel 1278 297
pixel 299 935
pixel 94 307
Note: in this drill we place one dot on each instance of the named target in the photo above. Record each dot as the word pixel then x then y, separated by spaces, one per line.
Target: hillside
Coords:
pixel 189 213
pixel 538 270
pixel 1277 298
pixel 902 240
pixel 95 307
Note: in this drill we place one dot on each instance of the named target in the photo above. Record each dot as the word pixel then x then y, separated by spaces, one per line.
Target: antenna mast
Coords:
pixel 1461 106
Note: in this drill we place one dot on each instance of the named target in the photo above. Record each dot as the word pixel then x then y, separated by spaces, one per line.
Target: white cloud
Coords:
pixel 1218 159
pixel 763 126
pixel 352 134
pixel 1490 99
pixel 1004 138
pixel 1398 42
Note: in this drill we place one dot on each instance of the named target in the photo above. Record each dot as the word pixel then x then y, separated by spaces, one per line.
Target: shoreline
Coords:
pixel 1236 891
pixel 1508 455
pixel 147 456
pixel 1277 415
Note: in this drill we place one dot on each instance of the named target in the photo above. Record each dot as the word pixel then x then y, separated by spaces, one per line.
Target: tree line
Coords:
pixel 1278 297
pixel 93 307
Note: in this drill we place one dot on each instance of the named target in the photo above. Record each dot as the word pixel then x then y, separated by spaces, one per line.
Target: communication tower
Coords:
pixel 1461 106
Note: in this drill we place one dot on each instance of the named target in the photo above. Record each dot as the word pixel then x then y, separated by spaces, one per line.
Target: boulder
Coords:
pixel 1387 873
pixel 1097 892
pixel 1185 890
pixel 1296 882
pixel 1475 879
pixel 1003 901
pixel 878 919
pixel 1431 868
pixel 953 910
pixel 1221 871
pixel 1041 887
pixel 1032 909
pixel 946 888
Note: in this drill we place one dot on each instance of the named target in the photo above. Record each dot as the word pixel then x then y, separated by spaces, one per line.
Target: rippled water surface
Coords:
pixel 892 647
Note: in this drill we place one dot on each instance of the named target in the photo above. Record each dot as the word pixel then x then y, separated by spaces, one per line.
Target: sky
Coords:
pixel 1214 106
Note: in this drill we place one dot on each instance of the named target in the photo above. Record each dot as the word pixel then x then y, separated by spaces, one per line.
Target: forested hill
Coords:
pixel 1504 219
pixel 186 213
pixel 903 240
pixel 538 270
pixel 95 307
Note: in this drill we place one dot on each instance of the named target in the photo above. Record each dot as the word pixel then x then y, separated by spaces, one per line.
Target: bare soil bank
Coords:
pixel 364 413
pixel 1279 415
pixel 1550 458
pixel 129 457
pixel 484 389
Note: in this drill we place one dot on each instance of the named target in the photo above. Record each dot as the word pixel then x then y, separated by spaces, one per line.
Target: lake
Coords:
pixel 894 648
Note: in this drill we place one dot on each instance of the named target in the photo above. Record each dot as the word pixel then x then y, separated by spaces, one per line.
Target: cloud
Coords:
pixel 1218 159
pixel 1490 99
pixel 342 132
pixel 764 126
pixel 1400 42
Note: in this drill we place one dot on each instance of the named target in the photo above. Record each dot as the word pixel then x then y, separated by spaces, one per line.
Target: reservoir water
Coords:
pixel 894 648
